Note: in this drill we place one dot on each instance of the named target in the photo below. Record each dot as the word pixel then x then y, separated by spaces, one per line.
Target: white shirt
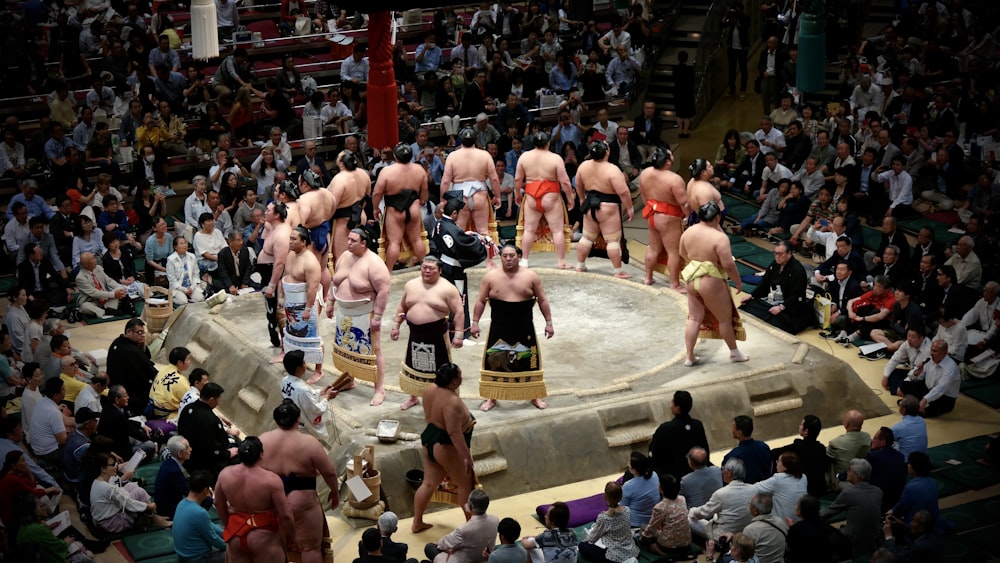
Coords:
pixel 194 207
pixel 787 491
pixel 29 399
pixel 956 337
pixel 614 41
pixel 942 380
pixel 982 315
pixel 89 398
pixel 179 277
pixel 46 422
pixel 906 354
pixel 217 185
pixel 779 173
pixel 900 187
pixel 211 243
pixel 774 136
pixel 609 130
pixel 313 407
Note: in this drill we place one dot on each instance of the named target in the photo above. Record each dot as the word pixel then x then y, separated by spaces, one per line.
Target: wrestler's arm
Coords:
pixel 480 308
pixel 458 314
pixel 280 249
pixel 400 315
pixel 543 304
pixel 221 506
pixel 519 183
pixel 377 195
pixel 312 272
pixel 567 187
pixel 581 183
pixel 494 178
pixel 455 420
pixel 381 280
pixel 446 179
pixel 621 188
pixel 328 471
pixel 425 193
pixel 681 196
pixel 287 529
pixel 725 253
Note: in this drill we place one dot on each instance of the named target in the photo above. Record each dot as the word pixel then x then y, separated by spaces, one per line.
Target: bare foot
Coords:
pixel 378 398
pixel 488 405
pixel 691 361
pixel 622 275
pixel 647 281
pixel 679 289
pixel 737 356
pixel 539 404
pixel 411 402
pixel 563 266
pixel 278 359
pixel 581 268
pixel 317 375
pixel 416 528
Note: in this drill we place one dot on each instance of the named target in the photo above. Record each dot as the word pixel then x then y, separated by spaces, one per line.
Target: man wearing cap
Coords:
pixel 426 304
pixel 316 206
pixel 297 458
pixel 360 292
pixel 458 250
pixel 271 262
pixel 78 442
pixel 300 288
pixel 349 188
pixel 665 194
pixel 465 173
pixel 603 192
pixel 404 187
pixel 197 202
pixel 539 179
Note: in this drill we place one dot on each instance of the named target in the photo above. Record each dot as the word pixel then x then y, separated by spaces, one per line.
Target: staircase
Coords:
pixel 683 35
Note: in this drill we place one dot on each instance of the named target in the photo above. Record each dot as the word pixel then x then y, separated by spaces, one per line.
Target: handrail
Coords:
pixel 711 45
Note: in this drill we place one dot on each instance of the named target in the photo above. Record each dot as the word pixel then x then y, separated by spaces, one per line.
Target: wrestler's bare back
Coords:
pixel 425 304
pixel 316 207
pixel 468 164
pixel 250 489
pixel 398 177
pixel 275 242
pixel 704 244
pixel 700 192
pixel 663 185
pixel 353 278
pixel 291 451
pixel 540 164
pixel 349 187
pixel 600 176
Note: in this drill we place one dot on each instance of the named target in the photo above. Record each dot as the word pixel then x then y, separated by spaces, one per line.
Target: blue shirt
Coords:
pixel 57 149
pixel 756 457
pixel 158 57
pixel 921 493
pixel 194 533
pixel 36 206
pixel 560 81
pixel 910 435
pixel 432 58
pixel 105 218
pixel 568 133
pixel 640 495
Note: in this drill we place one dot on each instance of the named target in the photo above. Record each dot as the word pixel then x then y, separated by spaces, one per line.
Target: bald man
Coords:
pixel 853 443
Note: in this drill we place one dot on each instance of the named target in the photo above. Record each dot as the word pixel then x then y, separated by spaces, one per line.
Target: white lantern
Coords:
pixel 204 30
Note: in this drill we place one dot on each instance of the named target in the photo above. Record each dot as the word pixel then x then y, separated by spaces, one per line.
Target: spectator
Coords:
pixel 48 424
pixel 387 525
pixel 728 509
pixel 698 486
pixel 780 298
pixel 914 352
pixel 905 313
pixel 852 444
pixel 668 533
pixel 467 542
pixel 78 442
pixel 40 279
pixel 935 382
pixel 807 540
pixel 622 72
pixel 158 248
pixel 428 55
pixel 129 364
pixel 90 396
pixel 100 294
pixel 208 242
pixel 233 73
pixel 558 542
pixel 128 436
pixel 182 274
pixel 172 479
pixel 862 501
pixel 920 492
pixel 612 527
pixel 266 168
pixel 641 491
pixel 196 537
pixel 967 265
pixel 170 385
pixel 842 289
pixel 756 456
pixel 981 320
pixel 922 544
pixel 953 333
pixel 508 551
pixel 28 196
pixel 869 311
pixel 786 486
pixel 115 509
pixel 674 439
pixel 211 447
pixel 767 530
pixel 888 467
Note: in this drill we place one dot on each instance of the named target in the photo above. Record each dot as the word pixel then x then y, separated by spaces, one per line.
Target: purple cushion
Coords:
pixel 581 511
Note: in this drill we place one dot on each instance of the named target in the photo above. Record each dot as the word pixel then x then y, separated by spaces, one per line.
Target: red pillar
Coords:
pixel 383 130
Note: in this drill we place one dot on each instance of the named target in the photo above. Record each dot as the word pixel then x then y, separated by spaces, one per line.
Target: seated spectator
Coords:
pixel 40 279
pixel 31 374
pixel 170 386
pixel 905 314
pixel 387 525
pixel 622 72
pixel 158 248
pixel 127 435
pixel 812 179
pixel 641 491
pixel 17 319
pixel 936 383
pixel 798 146
pixel 951 292
pixel 208 242
pixel 113 220
pixel 698 486
pixel 853 443
pixel 668 533
pixel 100 294
pixel 920 492
pixel 862 501
pixel 807 540
pixel 37 233
pixel 767 530
pixel 172 479
pixel 967 264
pixel 508 551
pixel 182 274
pixel 786 486
pixel 86 240
pixel 728 509
pixel 16 480
pixel 196 537
pixel 266 168
pixel 811 453
pixel 119 265
pixel 868 312
pixel 34 535
pixel 950 330
pixel 981 320
pixel 78 443
pixel 211 447
pixel 90 396
pixel 49 424
pixel 914 352
pixel 612 527
pixel 174 144
pixel 116 509
pixel 17 229
pixel 780 298
pixel 558 542
pixel 819 211
pixel 236 264
pixel 756 456
pixel 12 162
pixel 767 218
pixel 465 541
pixel 842 289
pixel 889 266
pixel 888 467
pixel 921 544
pixel 71 380
pixel 37 310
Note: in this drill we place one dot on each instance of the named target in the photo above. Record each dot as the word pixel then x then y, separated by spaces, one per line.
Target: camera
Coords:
pixel 722 545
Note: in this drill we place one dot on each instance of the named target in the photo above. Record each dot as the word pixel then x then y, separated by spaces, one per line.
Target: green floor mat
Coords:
pixel 947 487
pixel 972 475
pixel 985 538
pixel 731 200
pixel 172 558
pixel 966 451
pixel 733 239
pixel 741 211
pixel 916 223
pixel 741 249
pixel 149 545
pixel 7 283
pixel 872 238
pixel 988 394
pixel 971 515
pixel 89 320
pixel 761 258
pixel 968 384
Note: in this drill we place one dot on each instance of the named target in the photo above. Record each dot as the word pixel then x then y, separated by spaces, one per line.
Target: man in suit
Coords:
pixel 387 525
pixel 475 101
pixel 842 288
pixel 150 167
pixel 466 544
pixel 235 266
pixel 625 155
pixel 100 294
pixel 785 277
pixel 311 161
pixel 915 160
pixel 129 363
pixel 211 448
pixel 675 438
pixel 926 291
pixel 647 130
pixel 952 292
pixel 769 67
pixel 863 503
pixel 747 176
pixel 927 245
pixel 172 479
pixel 892 236
pixel 39 278
pixel 126 435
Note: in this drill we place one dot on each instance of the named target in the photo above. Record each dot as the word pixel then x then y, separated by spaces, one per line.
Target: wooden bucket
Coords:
pixel 370 475
pixel 155 314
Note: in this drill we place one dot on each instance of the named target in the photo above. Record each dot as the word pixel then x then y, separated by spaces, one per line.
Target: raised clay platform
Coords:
pixel 611 369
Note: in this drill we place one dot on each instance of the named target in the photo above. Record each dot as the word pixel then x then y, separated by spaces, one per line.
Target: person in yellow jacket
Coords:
pixel 170 385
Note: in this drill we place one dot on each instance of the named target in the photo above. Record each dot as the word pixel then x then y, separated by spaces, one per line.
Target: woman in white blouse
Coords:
pixel 86 240
pixel 208 242
pixel 787 485
pixel 265 167
pixel 182 274
pixel 113 507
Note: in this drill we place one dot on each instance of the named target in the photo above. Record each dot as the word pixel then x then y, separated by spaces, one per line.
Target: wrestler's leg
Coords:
pixel 591 228
pixel 308 516
pixel 555 216
pixel 464 220
pixel 531 220
pixel 379 368
pixel 235 553
pixel 719 301
pixel 264 546
pixel 481 206
pixel 393 236
pixel 434 474
pixel 447 456
pixel 610 221
pixel 696 314
pixel 671 237
pixel 655 247
pixel 413 231
pixel 324 271
pixel 339 233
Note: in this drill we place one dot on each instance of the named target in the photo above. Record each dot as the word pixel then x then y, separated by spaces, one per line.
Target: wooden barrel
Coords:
pixel 157 309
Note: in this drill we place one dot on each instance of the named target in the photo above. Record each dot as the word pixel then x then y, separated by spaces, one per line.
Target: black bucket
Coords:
pixel 414 478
